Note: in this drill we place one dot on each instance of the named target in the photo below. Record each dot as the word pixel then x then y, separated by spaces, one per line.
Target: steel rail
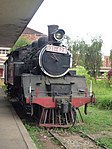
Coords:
pixel 86 135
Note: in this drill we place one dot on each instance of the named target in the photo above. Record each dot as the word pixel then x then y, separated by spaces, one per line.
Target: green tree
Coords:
pixel 78 49
pixel 69 43
pixel 93 57
pixel 72 46
pixel 22 41
pixel 110 57
pixel 75 53
pixel 82 46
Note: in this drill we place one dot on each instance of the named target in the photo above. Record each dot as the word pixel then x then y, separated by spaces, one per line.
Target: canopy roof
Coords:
pixel 14 17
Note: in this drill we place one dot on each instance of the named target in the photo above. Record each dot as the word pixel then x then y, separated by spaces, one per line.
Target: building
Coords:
pixel 29 34
pixel 106 65
pixel 106 61
pixel 3 57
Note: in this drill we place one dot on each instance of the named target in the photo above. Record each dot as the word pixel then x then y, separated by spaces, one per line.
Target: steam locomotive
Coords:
pixel 39 76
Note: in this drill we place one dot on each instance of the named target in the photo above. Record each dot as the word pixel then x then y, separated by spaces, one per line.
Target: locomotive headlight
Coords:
pixel 59 35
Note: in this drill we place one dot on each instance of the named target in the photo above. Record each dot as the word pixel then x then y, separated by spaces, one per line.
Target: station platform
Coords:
pixel 13 134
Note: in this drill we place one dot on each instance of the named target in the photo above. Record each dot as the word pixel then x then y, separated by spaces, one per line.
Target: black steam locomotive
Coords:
pixel 39 76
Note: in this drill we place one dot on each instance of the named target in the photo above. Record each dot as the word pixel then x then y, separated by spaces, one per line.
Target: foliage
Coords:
pixel 110 81
pixel 83 72
pixel 101 88
pixel 22 41
pixel 69 43
pixel 110 58
pixel 95 122
pixel 103 94
pixel 77 48
pixel 93 57
pixel 33 131
pixel 105 141
pixel 87 55
pixel 105 102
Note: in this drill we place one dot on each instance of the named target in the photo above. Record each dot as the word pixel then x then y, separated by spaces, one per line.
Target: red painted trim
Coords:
pixel 48 102
pixel 78 101
pixel 55 125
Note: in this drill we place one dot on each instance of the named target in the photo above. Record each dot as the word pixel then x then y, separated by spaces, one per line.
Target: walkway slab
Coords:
pixel 13 134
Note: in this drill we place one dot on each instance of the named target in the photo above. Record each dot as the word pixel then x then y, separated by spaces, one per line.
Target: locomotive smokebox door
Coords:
pixel 55 61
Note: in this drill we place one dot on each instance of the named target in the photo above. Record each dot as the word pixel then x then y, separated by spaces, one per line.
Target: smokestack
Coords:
pixel 51 30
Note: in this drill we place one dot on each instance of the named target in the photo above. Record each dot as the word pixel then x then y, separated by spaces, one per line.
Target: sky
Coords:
pixel 81 19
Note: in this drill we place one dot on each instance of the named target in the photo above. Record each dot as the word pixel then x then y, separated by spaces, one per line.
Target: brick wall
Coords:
pixel 31 34
pixel 31 37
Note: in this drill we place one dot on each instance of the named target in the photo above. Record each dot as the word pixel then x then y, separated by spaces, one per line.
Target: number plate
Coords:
pixel 56 49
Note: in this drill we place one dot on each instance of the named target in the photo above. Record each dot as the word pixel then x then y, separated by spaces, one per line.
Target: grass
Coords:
pixel 95 122
pixel 101 89
pixel 33 132
pixel 105 141
pixel 103 94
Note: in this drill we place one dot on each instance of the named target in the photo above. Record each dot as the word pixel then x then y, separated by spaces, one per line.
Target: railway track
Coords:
pixel 69 140
pixel 75 140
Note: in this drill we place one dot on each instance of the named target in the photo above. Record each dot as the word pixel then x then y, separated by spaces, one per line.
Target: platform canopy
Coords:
pixel 14 17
